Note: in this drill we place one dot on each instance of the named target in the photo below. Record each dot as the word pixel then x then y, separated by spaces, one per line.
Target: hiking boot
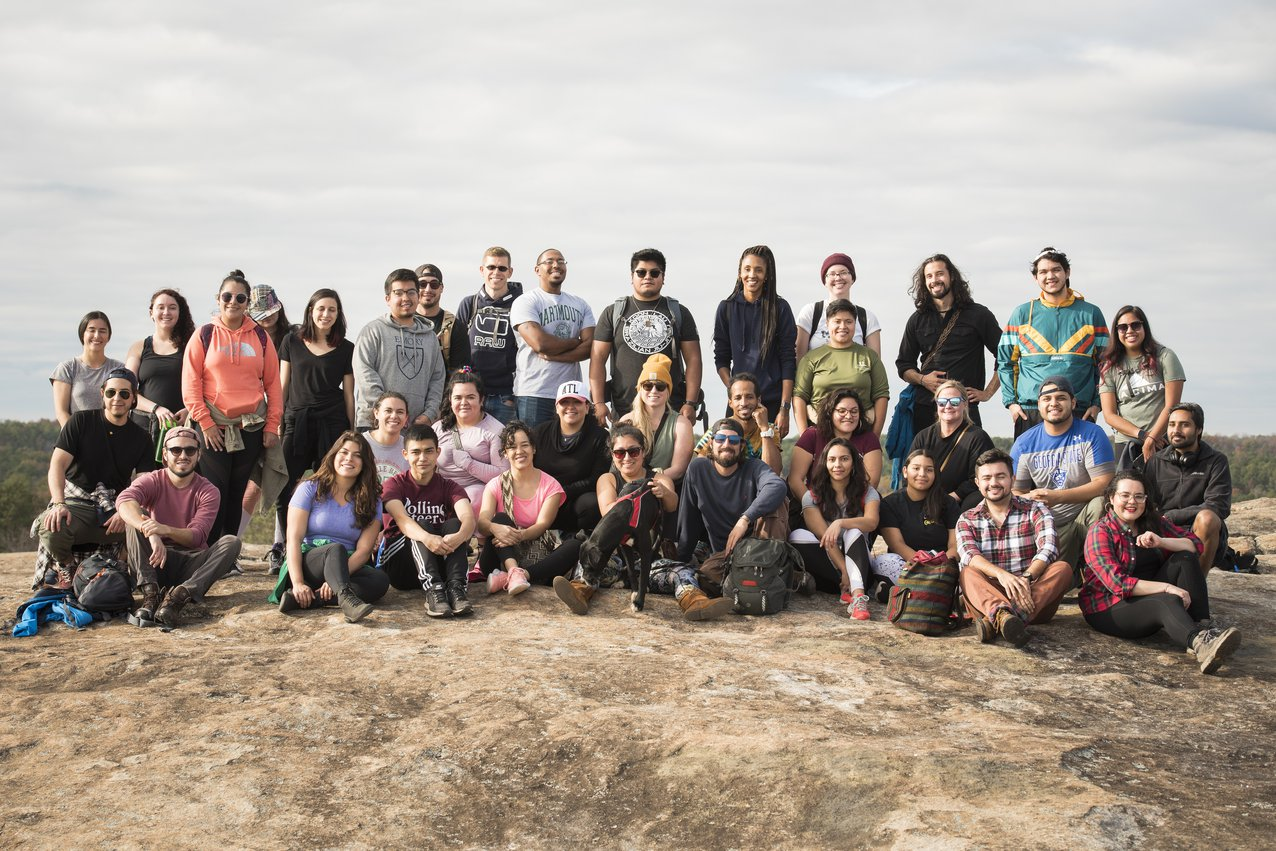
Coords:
pixel 150 602
pixel 518 581
pixel 882 591
pixel 859 607
pixel 497 580
pixel 1012 628
pixel 352 607
pixel 436 602
pixel 696 606
pixel 288 603
pixel 275 558
pixel 984 630
pixel 457 599
pixel 174 600
pixel 1213 646
pixel 575 595
pixel 58 577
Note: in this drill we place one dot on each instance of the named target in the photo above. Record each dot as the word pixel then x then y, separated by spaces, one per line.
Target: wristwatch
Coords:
pixel 768 432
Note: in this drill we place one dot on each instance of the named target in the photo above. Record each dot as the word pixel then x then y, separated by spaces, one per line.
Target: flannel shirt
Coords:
pixel 1106 577
pixel 1027 534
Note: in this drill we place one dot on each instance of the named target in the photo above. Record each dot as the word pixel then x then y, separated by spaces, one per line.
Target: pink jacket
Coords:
pixel 232 374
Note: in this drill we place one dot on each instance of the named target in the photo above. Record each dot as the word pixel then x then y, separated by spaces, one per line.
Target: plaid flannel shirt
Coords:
pixel 1109 557
pixel 1027 534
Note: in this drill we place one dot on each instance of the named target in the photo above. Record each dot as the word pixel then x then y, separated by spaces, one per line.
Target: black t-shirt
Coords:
pixel 102 452
pixel 900 512
pixel 458 353
pixel 645 328
pixel 315 380
pixel 962 357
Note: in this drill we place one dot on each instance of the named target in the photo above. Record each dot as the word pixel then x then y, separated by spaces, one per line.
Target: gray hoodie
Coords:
pixel 389 356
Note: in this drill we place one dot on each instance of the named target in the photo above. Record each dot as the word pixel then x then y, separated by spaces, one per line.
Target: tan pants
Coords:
pixel 984 596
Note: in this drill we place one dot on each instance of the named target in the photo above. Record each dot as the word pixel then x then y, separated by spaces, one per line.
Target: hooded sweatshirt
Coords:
pixel 493 349
pixel 405 359
pixel 233 373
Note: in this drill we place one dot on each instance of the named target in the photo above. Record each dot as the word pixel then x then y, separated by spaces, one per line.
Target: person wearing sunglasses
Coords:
pixel 77 381
pixel 760 440
pixel 93 460
pixel 485 316
pixel 572 447
pixel 230 385
pixel 667 434
pixel 454 344
pixel 954 441
pixel 1143 575
pixel 169 513
pixel 1140 381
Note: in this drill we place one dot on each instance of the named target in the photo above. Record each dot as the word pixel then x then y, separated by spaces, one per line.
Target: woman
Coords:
pixel 389 417
pixel 572 448
pixel 841 511
pixel 157 362
pixel 754 332
pixel 920 516
pixel 629 474
pixel 77 382
pixel 469 439
pixel 841 363
pixel 1139 382
pixel 333 522
pixel 518 509
pixel 316 375
pixel 837 274
pixel 1142 574
pixel 230 385
pixel 954 442
pixel 265 308
pixel 668 434
pixel 840 415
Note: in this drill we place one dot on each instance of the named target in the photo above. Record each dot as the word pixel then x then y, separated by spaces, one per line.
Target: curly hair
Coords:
pixel 1115 354
pixel 921 296
pixel 824 414
pixel 185 327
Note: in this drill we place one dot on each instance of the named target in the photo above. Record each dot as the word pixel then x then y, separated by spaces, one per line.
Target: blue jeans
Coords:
pixel 500 406
pixel 535 410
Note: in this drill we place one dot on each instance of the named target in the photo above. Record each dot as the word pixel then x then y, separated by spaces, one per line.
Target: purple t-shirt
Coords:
pixel 328 519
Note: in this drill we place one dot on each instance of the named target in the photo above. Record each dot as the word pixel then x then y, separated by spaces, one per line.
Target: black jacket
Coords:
pixel 1183 485
pixel 578 470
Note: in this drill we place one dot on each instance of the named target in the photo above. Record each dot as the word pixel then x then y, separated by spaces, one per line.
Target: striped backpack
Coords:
pixel 923 598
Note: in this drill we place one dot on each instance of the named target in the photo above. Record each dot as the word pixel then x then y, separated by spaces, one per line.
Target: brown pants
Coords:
pixel 984 596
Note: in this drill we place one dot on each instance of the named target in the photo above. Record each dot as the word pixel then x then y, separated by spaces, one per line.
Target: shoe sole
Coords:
pixel 1220 650
pixel 462 611
pixel 288 603
pixel 359 613
pixel 716 609
pixel 445 613
pixel 1015 631
pixel 984 631
pixel 563 588
pixel 515 590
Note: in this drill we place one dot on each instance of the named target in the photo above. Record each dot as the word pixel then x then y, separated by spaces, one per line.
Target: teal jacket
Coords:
pixel 1041 340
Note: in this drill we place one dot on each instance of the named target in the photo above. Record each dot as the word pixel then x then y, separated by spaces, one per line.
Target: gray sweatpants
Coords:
pixel 197 570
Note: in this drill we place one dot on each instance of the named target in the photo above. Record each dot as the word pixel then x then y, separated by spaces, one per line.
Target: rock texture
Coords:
pixel 527 726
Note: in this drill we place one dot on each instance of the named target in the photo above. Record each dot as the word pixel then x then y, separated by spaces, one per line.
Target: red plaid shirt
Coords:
pixel 1027 534
pixel 1109 557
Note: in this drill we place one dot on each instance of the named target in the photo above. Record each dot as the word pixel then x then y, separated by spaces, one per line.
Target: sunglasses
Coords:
pixel 655 273
pixel 950 402
pixel 431 285
pixel 658 386
pixel 178 451
pixel 497 268
pixel 732 439
pixel 238 298
pixel 111 393
pixel 631 451
pixel 1122 327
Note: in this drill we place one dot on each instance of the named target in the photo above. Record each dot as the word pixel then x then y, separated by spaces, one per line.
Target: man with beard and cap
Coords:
pixel 759 435
pixel 455 346
pixel 1065 463
pixel 1010 574
pixel 1192 481
pixel 945 309
pixel 485 316
pixel 169 513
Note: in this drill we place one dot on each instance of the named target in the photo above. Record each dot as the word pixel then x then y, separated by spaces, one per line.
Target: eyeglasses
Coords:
pixel 732 439
pixel 1130 497
pixel 123 393
pixel 950 402
pixel 655 273
pixel 432 285
pixel 553 262
pixel 1122 327
pixel 497 268
pixel 846 412
pixel 833 274
pixel 412 293
pixel 237 298
pixel 658 386
pixel 631 451
pixel 178 451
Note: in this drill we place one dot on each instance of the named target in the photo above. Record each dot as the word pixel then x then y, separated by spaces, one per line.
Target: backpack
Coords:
pixel 861 320
pixel 103 585
pixel 760 575
pixel 923 598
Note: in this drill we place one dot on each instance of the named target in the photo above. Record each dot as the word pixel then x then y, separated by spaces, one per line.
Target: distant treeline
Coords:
pixel 25 448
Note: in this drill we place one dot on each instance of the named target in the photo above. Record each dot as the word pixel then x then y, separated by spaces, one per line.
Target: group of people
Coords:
pixel 389 456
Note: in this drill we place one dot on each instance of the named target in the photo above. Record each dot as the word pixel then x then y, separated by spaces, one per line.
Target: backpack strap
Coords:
pixel 206 337
pixel 816 315
pixel 861 316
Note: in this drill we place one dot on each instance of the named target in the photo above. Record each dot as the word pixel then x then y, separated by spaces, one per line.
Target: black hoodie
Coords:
pixel 577 470
pixel 1184 484
pixel 492 347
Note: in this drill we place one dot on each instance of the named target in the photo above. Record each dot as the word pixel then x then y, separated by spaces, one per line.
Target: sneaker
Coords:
pixel 1213 646
pixel 847 599
pixel 984 630
pixel 58 577
pixel 518 581
pixel 436 602
pixel 1012 628
pixel 458 600
pixel 859 607
pixel 475 575
pixel 235 569
pixel 497 580
pixel 275 558
pixel 882 591
pixel 807 586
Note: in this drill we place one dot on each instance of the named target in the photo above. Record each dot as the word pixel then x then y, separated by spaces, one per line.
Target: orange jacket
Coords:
pixel 232 374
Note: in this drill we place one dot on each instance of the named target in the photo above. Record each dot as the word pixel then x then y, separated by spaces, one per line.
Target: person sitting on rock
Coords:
pixel 1006 548
pixel 169 513
pixel 747 409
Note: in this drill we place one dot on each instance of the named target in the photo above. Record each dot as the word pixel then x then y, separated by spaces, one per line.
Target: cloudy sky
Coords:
pixel 156 144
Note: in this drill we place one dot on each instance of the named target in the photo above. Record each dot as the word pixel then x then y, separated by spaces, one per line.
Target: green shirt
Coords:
pixel 826 368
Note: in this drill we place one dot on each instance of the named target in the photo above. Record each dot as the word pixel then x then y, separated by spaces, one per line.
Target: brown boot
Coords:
pixel 176 598
pixel 150 602
pixel 698 607
pixel 574 594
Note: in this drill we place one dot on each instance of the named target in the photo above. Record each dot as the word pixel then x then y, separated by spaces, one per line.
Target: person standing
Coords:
pixel 157 362
pixel 454 343
pixel 77 382
pixel 837 274
pixel 485 316
pixel 1140 382
pixel 839 364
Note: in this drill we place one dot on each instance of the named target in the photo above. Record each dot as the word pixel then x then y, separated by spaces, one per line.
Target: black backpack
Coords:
pixel 103 585
pixel 760 576
pixel 861 320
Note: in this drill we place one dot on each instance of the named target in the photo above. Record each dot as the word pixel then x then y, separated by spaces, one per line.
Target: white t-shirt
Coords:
pixel 821 335
pixel 563 315
pixel 390 460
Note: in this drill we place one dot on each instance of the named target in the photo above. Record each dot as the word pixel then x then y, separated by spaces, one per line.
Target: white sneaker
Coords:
pixel 518 581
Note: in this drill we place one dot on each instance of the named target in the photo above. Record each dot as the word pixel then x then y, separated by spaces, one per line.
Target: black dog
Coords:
pixel 633 525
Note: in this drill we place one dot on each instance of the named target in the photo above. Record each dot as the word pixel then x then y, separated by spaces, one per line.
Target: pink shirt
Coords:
pixel 527 511
pixel 193 507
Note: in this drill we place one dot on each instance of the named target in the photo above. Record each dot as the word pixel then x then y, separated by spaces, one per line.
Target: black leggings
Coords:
pixel 827 577
pixel 579 513
pixel 1139 617
pixel 560 562
pixel 331 563
pixel 229 472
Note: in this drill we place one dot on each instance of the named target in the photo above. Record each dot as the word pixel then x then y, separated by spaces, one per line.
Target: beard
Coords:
pixel 727 462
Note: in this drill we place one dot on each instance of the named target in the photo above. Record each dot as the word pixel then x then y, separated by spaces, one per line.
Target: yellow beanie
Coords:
pixel 655 369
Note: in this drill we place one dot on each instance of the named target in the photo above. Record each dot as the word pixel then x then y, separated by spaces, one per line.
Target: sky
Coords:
pixel 323 145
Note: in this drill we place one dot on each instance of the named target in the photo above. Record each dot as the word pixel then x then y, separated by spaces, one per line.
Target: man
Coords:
pixel 399 352
pixel 427 533
pixel 555 333
pixel 724 499
pixel 455 347
pixel 1192 481
pixel 760 440
pixel 636 327
pixel 945 309
pixel 94 458
pixel 485 316
pixel 1006 547
pixel 1065 463
pixel 169 513
pixel 1059 333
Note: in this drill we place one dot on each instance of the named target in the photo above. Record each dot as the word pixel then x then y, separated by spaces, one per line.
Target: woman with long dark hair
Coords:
pixel 333 523
pixel 1142 574
pixel 755 332
pixel 1139 382
pixel 157 362
pixel 77 382
pixel 841 414
pixel 918 516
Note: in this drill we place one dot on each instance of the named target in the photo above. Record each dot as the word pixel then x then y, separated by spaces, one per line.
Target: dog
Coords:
pixel 632 525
